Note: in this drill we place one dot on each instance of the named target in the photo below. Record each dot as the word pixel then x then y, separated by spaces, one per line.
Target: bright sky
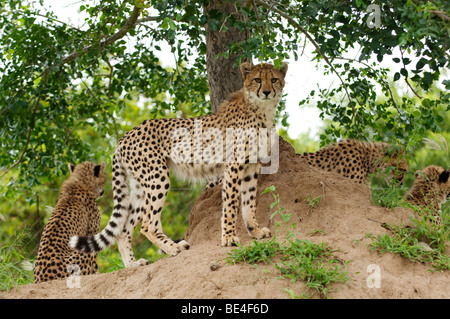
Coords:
pixel 301 78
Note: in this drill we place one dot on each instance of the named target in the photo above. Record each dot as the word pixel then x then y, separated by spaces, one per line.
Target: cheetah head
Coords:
pixel 90 175
pixel 263 83
pixel 434 179
pixel 437 179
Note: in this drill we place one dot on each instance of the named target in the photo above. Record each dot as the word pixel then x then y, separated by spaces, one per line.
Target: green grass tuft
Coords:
pixel 295 259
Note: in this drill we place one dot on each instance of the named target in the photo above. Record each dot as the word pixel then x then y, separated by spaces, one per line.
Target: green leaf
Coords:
pixel 404 72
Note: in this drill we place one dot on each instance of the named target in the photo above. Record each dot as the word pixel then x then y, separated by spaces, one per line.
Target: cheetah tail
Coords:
pixel 119 216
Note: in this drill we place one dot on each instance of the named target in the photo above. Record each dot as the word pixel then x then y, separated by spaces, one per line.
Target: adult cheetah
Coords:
pixel 196 149
pixel 75 213
pixel 356 160
pixel 430 190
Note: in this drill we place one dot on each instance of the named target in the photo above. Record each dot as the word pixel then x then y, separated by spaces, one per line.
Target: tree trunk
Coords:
pixel 223 78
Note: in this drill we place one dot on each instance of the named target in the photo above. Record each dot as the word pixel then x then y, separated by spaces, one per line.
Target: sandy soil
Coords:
pixel 345 215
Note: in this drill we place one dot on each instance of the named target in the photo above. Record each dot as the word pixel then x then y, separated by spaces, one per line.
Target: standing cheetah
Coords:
pixel 431 189
pixel 141 162
pixel 356 160
pixel 76 213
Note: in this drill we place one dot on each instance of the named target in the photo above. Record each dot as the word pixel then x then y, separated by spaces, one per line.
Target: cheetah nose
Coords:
pixel 266 93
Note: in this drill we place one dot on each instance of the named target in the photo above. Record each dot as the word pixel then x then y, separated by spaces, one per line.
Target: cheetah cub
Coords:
pixel 431 189
pixel 196 149
pixel 357 160
pixel 75 213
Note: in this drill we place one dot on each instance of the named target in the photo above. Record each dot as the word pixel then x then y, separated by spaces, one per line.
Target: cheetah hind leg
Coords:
pixel 126 251
pixel 134 217
pixel 151 222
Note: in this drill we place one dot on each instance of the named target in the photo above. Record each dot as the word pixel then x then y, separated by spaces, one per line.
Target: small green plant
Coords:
pixel 436 145
pixel 279 211
pixel 316 232
pixel 387 195
pixel 109 260
pixel 294 296
pixel 313 201
pixel 423 242
pixel 295 259
pixel 313 263
pixel 258 251
pixel 15 268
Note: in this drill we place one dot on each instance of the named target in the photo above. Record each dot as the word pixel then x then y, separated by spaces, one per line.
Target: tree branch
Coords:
pixel 406 77
pixel 71 57
pixel 147 19
pixel 309 37
pixel 118 35
pixel 441 14
pixel 386 84
pixel 48 18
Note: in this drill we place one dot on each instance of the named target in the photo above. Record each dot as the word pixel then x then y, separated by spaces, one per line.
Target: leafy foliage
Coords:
pixel 15 268
pixel 58 79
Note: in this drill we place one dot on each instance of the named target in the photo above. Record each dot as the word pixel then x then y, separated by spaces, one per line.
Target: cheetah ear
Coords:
pixel 284 68
pixel 443 178
pixel 99 168
pixel 71 167
pixel 245 69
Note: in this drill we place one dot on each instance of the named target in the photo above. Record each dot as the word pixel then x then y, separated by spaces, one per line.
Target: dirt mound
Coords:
pixel 344 215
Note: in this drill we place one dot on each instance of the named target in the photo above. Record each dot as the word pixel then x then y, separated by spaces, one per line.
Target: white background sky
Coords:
pixel 301 78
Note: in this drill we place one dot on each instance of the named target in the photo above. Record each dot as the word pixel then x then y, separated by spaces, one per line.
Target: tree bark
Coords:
pixel 223 78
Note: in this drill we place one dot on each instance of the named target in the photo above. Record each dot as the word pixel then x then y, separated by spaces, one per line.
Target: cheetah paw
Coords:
pixel 183 245
pixel 140 262
pixel 228 241
pixel 262 233
pixel 176 248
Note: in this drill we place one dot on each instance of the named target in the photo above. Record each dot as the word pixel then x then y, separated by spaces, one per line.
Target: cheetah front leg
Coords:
pixel 249 183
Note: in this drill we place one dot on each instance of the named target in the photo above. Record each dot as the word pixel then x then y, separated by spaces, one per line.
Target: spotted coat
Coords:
pixel 356 160
pixel 75 213
pixel 140 172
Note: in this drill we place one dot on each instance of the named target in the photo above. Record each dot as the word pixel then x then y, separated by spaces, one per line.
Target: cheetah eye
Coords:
pixel 257 80
pixel 274 80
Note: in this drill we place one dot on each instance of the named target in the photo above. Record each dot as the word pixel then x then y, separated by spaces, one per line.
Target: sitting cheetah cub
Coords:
pixel 431 189
pixel 141 162
pixel 76 213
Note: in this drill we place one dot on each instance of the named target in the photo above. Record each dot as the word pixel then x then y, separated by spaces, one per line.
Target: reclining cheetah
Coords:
pixel 355 159
pixel 431 189
pixel 76 213
pixel 144 155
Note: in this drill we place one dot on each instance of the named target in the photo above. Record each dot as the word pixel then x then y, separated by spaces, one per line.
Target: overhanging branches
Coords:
pixel 131 21
pixel 313 42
